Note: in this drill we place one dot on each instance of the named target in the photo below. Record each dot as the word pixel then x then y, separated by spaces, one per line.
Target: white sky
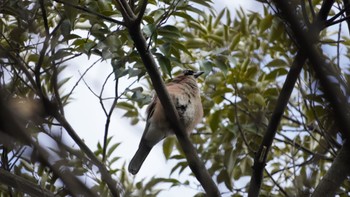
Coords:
pixel 87 118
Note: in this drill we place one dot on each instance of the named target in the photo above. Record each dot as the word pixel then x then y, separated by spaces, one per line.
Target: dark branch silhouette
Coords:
pixel 196 165
pixel 288 86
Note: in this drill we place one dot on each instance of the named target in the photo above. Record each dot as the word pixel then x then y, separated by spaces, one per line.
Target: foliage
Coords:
pixel 246 57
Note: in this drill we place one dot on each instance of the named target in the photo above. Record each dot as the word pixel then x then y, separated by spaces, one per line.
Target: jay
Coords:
pixel 184 92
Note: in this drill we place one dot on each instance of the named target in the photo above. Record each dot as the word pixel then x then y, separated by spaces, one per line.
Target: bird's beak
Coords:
pixel 197 74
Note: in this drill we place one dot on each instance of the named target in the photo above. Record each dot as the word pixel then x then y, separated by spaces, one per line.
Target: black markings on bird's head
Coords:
pixel 191 72
pixel 188 72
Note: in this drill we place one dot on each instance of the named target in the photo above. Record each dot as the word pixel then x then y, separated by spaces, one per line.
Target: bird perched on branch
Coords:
pixel 184 92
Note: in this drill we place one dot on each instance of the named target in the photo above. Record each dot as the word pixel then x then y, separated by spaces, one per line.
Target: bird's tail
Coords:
pixel 138 159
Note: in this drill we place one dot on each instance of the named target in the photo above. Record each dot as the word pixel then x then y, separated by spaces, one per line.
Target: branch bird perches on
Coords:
pixel 132 22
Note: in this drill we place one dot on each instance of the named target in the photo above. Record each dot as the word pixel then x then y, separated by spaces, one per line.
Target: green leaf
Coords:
pixel 65 27
pixel 257 98
pixel 265 23
pixel 223 177
pixel 169 32
pixel 276 73
pixel 149 29
pixel 125 105
pixel 235 41
pixel 164 63
pixel 277 63
pixel 112 149
pixel 218 39
pixel 180 46
pixel 196 43
pixel 219 17
pixel 214 121
pixel 168 145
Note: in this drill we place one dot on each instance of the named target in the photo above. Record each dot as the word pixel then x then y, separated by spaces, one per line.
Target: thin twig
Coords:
pixel 106 176
pixel 312 9
pixel 234 104
pixel 82 76
pixel 109 119
pixel 91 12
pixel 142 12
pixel 305 16
pixel 277 184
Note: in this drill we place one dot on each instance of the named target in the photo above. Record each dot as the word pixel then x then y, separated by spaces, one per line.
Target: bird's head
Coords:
pixel 192 73
pixel 187 76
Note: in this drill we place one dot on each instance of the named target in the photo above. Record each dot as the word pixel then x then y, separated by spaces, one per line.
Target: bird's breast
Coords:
pixel 186 108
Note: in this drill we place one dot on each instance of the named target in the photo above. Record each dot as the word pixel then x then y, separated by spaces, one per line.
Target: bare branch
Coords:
pixel 43 12
pixel 142 12
pixel 305 16
pixel 108 120
pixel 277 184
pixel 106 176
pixel 82 76
pixel 312 9
pixel 126 11
pixel 347 12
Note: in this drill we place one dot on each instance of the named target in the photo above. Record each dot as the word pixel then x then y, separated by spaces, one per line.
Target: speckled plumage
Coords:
pixel 185 94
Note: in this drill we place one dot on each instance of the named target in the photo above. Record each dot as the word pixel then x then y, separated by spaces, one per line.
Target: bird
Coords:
pixel 184 93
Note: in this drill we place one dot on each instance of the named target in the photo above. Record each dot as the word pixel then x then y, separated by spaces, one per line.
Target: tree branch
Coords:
pixel 334 88
pixel 126 11
pixel 196 165
pixel 191 154
pixel 10 126
pixel 105 175
pixel 347 12
pixel 282 101
pixel 142 12
pixel 336 174
pixel 22 185
pixel 91 12
pixel 108 120
pixel 18 61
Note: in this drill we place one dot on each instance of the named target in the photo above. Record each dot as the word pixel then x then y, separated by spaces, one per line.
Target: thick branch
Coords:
pixel 142 12
pixel 10 126
pixel 282 101
pixel 336 174
pixel 196 165
pixel 191 154
pixel 19 63
pixel 347 12
pixel 106 176
pixel 334 88
pixel 22 185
